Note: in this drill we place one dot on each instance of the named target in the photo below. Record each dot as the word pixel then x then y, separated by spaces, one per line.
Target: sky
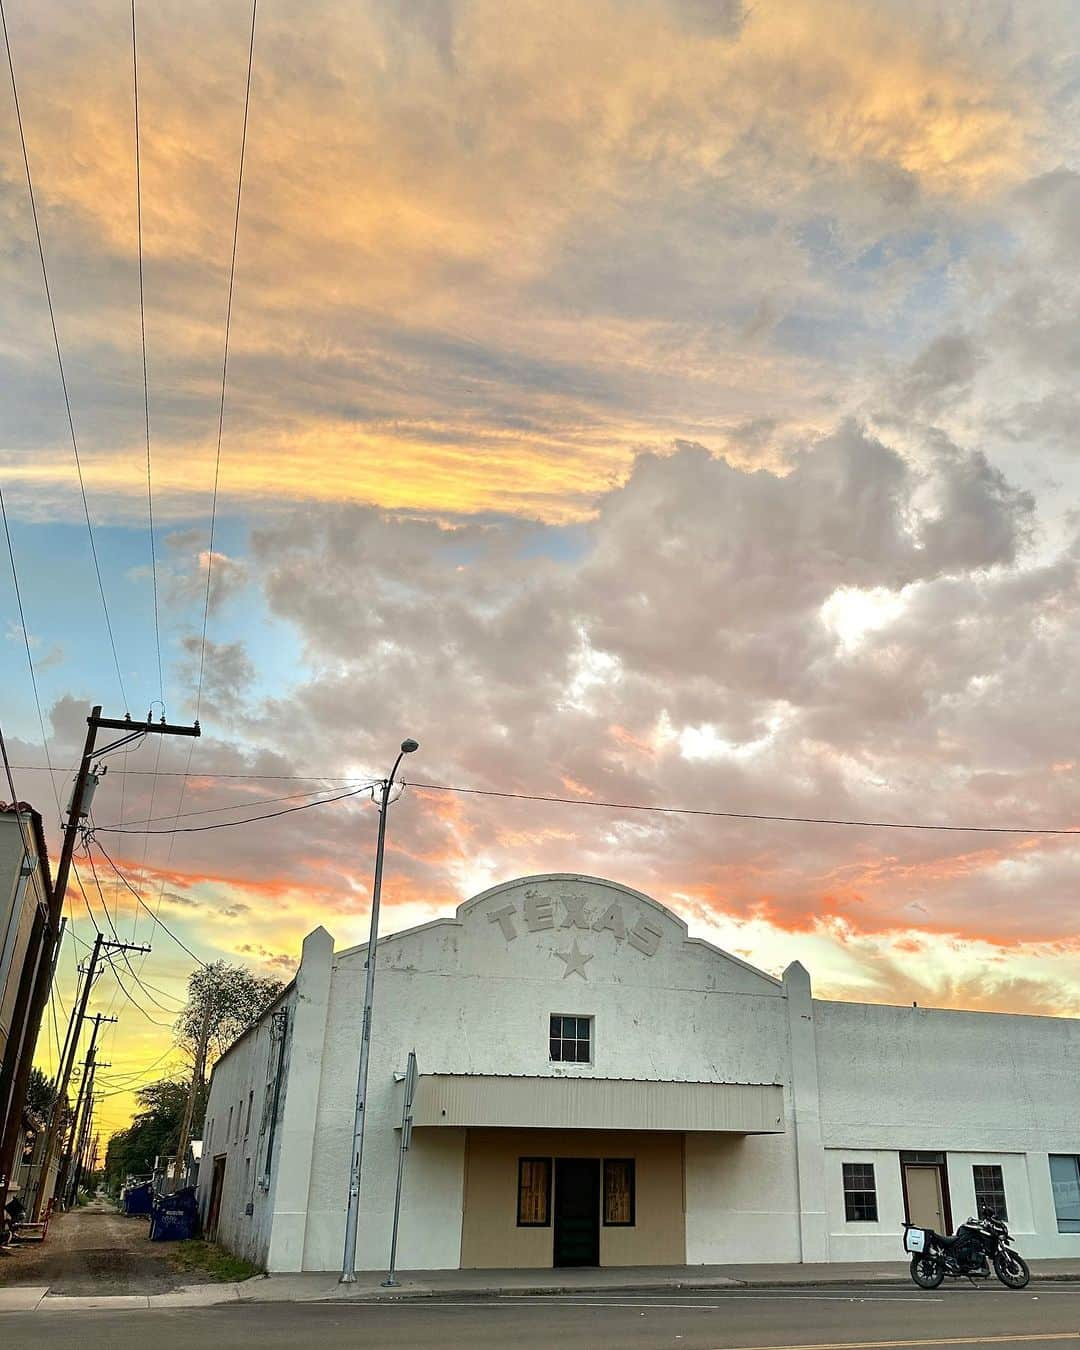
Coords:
pixel 666 402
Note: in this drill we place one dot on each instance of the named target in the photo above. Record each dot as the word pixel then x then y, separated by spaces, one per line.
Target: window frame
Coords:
pixel 850 1190
pixel 550 1172
pixel 1073 1224
pixel 576 1040
pixel 629 1164
pixel 1001 1209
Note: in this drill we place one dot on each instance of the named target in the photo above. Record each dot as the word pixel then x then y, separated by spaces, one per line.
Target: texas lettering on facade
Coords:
pixel 539 912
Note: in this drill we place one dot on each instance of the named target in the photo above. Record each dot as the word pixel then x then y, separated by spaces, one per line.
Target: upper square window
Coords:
pixel 570 1039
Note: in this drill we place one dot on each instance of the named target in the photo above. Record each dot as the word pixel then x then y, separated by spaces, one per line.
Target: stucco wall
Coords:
pixel 474 994
pixel 243 1076
pixel 982 1088
pixel 18 904
pixel 491 1236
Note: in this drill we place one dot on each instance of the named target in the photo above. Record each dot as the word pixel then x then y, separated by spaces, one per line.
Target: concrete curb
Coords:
pixel 38 1299
pixel 24 1298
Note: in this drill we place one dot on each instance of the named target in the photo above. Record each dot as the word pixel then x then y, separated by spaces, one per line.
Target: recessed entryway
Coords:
pixel 577 1212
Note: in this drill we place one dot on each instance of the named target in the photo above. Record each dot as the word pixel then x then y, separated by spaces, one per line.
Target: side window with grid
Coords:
pixel 990 1191
pixel 534 1192
pixel 570 1039
pixel 618 1192
pixel 860 1193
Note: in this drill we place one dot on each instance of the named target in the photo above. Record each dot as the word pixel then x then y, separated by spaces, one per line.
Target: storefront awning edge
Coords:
pixel 578 1103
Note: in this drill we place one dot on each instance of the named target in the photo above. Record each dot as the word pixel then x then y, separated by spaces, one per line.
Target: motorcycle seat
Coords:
pixel 943 1239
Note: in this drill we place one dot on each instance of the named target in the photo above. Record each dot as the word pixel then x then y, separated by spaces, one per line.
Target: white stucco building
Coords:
pixel 598 1087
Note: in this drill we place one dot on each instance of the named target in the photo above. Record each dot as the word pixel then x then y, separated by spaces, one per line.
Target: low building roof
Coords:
pixel 16 809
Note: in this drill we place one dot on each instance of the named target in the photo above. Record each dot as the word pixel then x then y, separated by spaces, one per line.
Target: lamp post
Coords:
pixel 348 1265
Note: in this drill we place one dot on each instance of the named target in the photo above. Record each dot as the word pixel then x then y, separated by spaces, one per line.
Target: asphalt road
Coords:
pixel 887 1318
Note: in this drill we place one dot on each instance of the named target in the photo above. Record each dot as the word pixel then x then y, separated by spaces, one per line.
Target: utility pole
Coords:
pixel 78 1158
pixel 84 1089
pixel 101 943
pixel 85 781
pixel 352 1215
pixel 197 1076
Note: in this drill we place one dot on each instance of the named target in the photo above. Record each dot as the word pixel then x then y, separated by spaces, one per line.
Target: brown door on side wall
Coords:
pixel 577 1211
pixel 926 1200
pixel 214 1208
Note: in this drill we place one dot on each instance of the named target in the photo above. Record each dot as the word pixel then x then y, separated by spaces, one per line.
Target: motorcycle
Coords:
pixel 976 1245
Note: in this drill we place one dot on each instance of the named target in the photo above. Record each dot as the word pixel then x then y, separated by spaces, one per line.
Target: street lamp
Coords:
pixel 348 1265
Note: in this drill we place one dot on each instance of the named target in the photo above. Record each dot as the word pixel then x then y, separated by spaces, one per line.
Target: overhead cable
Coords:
pixel 124 825
pixel 635 806
pixel 225 358
pixel 179 941
pixel 26 641
pixel 746 815
pixel 145 368
pixel 59 357
pixel 123 952
pixel 248 820
pixel 209 775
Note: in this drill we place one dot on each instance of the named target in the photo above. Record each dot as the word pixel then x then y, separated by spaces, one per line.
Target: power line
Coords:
pixel 130 997
pixel 59 357
pixel 26 635
pixel 186 773
pixel 115 1079
pixel 122 825
pixel 248 820
pixel 145 370
pixel 631 806
pixel 179 942
pixel 106 953
pixel 225 358
pixel 172 843
pixel 116 935
pixel 747 815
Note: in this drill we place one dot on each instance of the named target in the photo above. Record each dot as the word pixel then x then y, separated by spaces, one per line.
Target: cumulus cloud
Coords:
pixel 668 405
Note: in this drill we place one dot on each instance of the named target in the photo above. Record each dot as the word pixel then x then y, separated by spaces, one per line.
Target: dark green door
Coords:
pixel 577 1211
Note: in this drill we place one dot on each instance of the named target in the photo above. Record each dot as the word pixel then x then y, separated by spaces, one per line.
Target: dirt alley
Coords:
pixel 96 1250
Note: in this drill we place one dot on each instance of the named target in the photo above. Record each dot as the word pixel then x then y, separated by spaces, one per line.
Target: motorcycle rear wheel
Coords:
pixel 1011 1269
pixel 927 1272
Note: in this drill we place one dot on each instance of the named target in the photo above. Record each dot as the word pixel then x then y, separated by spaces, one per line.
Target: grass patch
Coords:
pixel 212 1260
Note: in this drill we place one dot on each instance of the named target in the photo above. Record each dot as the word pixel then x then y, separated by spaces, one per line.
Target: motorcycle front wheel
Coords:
pixel 1011 1269
pixel 927 1272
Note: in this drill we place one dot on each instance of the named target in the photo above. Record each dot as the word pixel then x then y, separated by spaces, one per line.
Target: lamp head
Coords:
pixel 408 746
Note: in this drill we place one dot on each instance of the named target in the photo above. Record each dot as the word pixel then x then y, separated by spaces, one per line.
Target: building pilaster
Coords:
pixel 292 1181
pixel 806 1110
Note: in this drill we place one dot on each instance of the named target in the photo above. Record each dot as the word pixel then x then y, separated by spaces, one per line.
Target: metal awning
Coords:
pixel 572 1103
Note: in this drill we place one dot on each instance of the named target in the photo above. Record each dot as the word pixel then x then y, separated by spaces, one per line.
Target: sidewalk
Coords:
pixel 465 1284
pixel 486 1283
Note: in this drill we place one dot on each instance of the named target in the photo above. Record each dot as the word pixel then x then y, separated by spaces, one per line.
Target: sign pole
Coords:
pixel 406 1138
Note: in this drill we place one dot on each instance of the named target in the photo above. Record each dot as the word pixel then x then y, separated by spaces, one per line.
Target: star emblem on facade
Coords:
pixel 576 961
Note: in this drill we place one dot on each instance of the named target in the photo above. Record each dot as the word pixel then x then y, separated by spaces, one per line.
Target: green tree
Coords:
pixel 223 1001
pixel 154 1130
pixel 236 999
pixel 39 1093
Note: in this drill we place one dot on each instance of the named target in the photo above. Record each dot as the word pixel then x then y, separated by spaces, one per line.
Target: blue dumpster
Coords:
pixel 175 1216
pixel 137 1199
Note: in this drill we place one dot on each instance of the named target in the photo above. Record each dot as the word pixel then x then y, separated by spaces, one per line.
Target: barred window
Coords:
pixel 619 1192
pixel 860 1193
pixel 990 1191
pixel 570 1039
pixel 534 1192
